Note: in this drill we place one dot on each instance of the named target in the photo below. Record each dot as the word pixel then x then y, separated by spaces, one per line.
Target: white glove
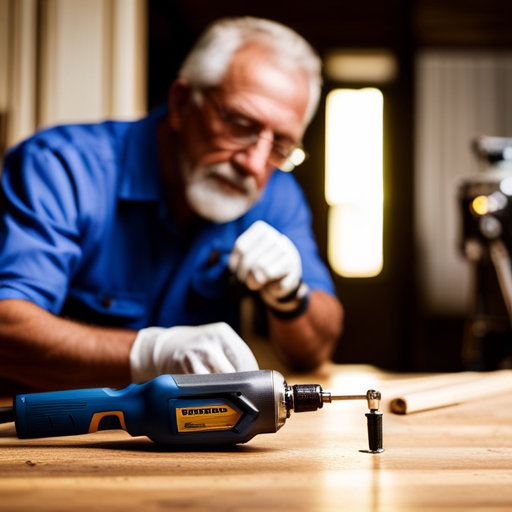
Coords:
pixel 210 348
pixel 266 260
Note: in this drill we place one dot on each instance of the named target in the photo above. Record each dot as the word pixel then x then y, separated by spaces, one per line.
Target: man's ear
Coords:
pixel 178 99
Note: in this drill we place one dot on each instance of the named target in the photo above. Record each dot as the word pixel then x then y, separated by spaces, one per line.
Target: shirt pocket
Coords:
pixel 106 308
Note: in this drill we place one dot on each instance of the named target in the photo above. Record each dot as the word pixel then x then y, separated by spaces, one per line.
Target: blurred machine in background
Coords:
pixel 485 201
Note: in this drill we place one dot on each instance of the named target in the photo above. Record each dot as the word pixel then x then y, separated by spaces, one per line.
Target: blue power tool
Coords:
pixel 182 410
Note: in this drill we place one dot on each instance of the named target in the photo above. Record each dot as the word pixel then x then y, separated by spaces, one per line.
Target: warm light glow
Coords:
pixel 354 181
pixel 370 66
pixel 480 205
pixel 355 240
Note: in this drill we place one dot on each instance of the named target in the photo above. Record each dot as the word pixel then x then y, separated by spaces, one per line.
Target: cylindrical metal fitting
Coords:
pixel 374 398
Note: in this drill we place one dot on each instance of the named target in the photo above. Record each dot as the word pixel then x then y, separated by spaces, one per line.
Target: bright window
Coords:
pixel 354 181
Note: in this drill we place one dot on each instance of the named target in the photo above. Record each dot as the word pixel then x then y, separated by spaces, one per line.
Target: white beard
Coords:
pixel 209 199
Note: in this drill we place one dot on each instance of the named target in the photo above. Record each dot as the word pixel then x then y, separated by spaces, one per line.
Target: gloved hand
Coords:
pixel 210 348
pixel 266 260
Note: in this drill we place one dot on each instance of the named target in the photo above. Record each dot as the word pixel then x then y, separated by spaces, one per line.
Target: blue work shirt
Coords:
pixel 86 233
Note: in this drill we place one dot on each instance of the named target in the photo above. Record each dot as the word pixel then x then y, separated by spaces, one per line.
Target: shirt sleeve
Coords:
pixel 286 208
pixel 39 226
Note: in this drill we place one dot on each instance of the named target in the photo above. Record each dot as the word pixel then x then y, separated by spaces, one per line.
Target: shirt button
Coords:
pixel 106 303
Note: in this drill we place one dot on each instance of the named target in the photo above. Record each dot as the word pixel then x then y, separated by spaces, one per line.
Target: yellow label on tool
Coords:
pixel 211 417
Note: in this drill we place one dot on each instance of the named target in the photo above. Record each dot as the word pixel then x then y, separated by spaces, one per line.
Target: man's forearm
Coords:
pixel 309 340
pixel 43 351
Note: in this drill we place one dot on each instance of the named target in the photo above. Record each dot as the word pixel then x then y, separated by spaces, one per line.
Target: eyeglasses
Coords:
pixel 244 132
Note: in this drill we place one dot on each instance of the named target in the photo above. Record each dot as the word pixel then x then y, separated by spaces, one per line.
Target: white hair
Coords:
pixel 209 59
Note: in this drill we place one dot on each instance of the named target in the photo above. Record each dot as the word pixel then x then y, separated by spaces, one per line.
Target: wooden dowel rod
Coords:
pixel 481 385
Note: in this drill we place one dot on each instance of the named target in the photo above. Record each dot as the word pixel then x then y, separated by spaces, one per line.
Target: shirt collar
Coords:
pixel 140 178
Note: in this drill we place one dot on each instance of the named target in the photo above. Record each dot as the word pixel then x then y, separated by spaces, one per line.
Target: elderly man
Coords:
pixel 126 247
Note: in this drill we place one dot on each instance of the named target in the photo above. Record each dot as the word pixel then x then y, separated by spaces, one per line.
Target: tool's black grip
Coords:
pixel 375 431
pixel 6 414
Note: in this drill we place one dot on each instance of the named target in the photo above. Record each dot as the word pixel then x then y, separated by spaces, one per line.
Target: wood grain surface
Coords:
pixel 457 458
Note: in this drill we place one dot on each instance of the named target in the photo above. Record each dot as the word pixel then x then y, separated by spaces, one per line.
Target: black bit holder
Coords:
pixel 374 417
pixel 374 432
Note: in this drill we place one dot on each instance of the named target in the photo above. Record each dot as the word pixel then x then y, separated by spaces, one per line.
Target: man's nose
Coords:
pixel 254 159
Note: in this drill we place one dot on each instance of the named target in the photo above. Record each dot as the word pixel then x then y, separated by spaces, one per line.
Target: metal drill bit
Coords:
pixel 328 397
pixel 372 397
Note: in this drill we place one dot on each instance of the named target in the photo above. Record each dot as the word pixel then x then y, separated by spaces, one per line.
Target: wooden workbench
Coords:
pixel 457 458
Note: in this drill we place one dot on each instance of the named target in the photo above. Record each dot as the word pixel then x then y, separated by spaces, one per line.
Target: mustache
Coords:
pixel 227 172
